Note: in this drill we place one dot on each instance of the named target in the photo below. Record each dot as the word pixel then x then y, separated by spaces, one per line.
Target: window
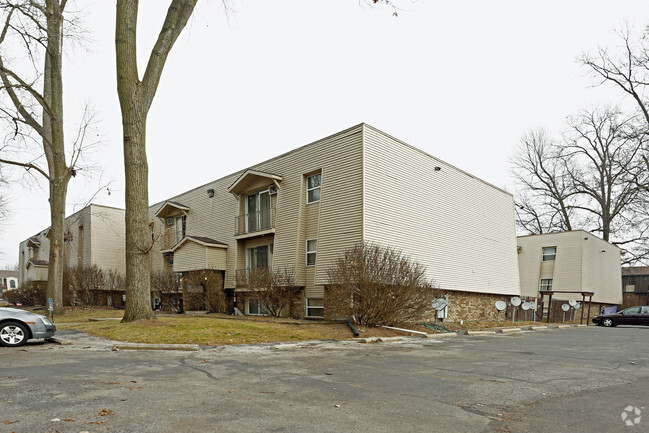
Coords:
pixel 256 307
pixel 258 211
pixel 315 307
pixel 12 284
pixel 152 233
pixel 180 227
pixel 549 254
pixel 546 284
pixel 257 257
pixel 311 246
pixel 313 188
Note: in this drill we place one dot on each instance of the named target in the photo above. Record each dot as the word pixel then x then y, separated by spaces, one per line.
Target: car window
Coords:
pixel 631 310
pixel 644 310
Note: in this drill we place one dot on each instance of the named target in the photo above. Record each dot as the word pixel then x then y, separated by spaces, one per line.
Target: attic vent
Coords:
pixel 272 190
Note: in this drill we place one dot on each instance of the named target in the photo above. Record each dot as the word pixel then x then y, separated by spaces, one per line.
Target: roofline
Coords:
pixel 344 132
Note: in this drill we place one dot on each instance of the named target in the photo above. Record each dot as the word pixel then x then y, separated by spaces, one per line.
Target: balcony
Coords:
pixel 265 277
pixel 255 223
pixel 244 277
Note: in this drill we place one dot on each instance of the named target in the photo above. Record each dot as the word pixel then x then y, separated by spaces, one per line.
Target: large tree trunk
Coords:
pixel 135 98
pixel 138 242
pixel 54 146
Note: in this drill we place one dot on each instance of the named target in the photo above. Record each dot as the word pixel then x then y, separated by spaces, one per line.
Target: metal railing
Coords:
pixel 254 221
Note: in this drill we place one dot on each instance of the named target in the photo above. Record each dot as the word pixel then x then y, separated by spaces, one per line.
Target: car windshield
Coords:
pixel 631 310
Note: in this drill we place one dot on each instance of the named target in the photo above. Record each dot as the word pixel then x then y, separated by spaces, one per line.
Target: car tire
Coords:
pixel 13 334
pixel 608 322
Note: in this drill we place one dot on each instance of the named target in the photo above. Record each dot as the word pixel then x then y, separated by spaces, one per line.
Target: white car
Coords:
pixel 18 326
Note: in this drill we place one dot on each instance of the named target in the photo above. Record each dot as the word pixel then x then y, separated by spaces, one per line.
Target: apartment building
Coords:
pixel 93 236
pixel 303 209
pixel 572 261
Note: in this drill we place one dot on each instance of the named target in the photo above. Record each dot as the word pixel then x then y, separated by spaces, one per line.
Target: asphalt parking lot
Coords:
pixel 557 380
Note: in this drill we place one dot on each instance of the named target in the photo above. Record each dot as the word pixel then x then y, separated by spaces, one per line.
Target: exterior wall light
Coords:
pixel 438 168
pixel 210 192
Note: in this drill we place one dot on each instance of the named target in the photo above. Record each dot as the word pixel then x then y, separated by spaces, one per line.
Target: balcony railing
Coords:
pixel 254 222
pixel 264 277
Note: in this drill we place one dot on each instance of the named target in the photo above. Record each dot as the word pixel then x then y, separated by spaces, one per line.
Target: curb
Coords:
pixel 480 332
pixel 143 346
pixel 562 326
pixel 59 341
pixel 443 335
pixel 508 330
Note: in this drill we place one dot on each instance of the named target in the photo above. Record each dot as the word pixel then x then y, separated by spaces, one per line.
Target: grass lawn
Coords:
pixel 215 329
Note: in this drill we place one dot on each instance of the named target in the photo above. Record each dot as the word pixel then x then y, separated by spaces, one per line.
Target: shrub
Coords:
pixel 273 287
pixel 378 285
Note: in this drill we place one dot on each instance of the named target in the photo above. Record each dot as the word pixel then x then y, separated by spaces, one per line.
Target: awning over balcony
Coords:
pixel 33 242
pixel 37 263
pixel 171 208
pixel 250 179
pixel 198 252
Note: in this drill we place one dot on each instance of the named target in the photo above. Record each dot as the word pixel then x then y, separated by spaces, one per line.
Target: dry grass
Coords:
pixel 213 329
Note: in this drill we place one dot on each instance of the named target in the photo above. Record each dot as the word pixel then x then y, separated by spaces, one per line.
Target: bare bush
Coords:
pixel 165 284
pixel 85 282
pixel 273 287
pixel 203 290
pixel 30 293
pixel 378 285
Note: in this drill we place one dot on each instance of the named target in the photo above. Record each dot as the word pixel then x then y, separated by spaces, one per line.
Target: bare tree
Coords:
pixel 136 96
pixel 602 152
pixel 378 285
pixel 32 107
pixel 275 288
pixel 588 180
pixel 545 202
pixel 626 68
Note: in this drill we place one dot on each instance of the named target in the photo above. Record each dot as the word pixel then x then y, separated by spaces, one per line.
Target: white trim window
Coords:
pixel 546 284
pixel 311 247
pixel 315 307
pixel 313 186
pixel 549 254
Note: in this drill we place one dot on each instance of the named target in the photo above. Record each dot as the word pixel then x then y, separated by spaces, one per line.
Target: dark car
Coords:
pixel 628 316
pixel 18 326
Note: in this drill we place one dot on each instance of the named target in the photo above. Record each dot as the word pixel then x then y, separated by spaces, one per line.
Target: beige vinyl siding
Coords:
pixel 105 244
pixel 211 217
pixel 217 258
pixel 602 270
pixel 579 266
pixel 338 157
pixel 461 228
pixel 193 256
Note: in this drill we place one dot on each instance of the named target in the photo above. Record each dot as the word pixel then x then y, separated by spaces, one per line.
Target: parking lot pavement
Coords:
pixel 559 380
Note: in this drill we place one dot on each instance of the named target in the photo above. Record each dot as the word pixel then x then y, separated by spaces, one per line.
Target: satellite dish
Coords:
pixel 577 306
pixel 439 304
pixel 565 307
pixel 572 302
pixel 501 305
pixel 525 306
pixel 516 301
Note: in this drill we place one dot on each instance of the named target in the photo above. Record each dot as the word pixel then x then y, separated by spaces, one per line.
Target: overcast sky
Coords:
pixel 460 80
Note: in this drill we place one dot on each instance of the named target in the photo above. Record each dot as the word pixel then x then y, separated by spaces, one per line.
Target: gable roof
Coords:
pixel 169 206
pixel 204 241
pixel 37 263
pixel 249 176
